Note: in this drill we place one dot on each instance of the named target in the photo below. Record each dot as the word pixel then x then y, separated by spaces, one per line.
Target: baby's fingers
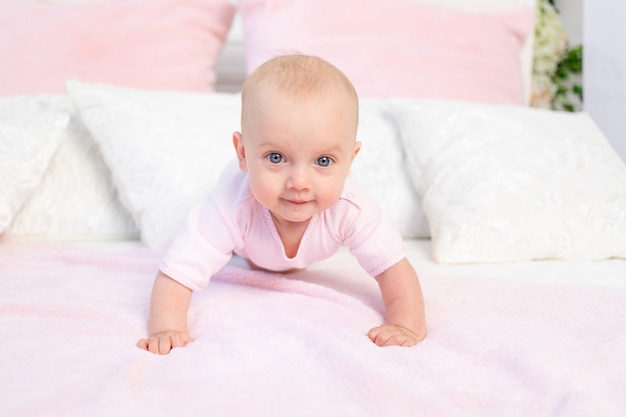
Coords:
pixel 142 344
pixel 381 336
pixel 163 344
pixel 390 335
pixel 180 340
pixel 160 345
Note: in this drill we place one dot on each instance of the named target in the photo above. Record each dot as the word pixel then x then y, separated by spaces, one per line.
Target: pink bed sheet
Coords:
pixel 274 345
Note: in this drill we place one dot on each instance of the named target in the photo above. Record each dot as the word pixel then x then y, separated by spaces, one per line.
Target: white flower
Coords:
pixel 542 92
pixel 550 46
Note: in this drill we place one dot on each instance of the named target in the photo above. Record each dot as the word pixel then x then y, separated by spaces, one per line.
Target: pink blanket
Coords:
pixel 296 345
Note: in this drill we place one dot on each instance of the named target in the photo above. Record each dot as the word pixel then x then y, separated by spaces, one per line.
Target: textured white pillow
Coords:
pixel 508 183
pixel 76 199
pixel 30 132
pixel 381 168
pixel 165 149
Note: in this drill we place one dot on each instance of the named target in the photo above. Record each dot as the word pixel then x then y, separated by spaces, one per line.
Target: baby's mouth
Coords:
pixel 296 202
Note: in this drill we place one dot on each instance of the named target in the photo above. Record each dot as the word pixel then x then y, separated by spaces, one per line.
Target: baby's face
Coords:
pixel 298 152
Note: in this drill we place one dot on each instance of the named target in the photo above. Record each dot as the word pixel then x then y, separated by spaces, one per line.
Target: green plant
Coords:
pixel 568 86
pixel 557 68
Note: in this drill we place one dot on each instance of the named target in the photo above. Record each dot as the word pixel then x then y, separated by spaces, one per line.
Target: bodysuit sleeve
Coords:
pixel 203 247
pixel 370 236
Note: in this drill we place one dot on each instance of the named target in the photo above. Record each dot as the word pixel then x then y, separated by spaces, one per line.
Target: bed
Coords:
pixel 112 128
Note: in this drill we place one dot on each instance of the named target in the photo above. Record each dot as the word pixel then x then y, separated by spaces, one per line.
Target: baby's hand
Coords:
pixel 392 335
pixel 162 343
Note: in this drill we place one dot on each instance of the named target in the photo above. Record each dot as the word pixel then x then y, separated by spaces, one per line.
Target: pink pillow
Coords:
pixel 397 48
pixel 152 44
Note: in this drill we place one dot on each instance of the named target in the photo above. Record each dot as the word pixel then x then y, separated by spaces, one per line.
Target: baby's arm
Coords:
pixel 168 316
pixel 402 295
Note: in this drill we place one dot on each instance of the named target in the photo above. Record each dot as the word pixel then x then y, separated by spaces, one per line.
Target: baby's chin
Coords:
pixel 292 217
pixel 294 213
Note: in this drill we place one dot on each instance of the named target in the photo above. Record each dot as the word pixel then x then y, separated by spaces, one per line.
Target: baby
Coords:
pixel 288 204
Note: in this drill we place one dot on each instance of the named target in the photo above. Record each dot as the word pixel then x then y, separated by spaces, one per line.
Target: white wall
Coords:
pixel 599 26
pixel 571 12
pixel 604 68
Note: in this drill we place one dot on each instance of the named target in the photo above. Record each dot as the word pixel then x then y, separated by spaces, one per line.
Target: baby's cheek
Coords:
pixel 331 192
pixel 263 189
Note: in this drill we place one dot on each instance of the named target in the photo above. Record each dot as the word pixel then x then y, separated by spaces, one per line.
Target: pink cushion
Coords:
pixel 152 44
pixel 397 48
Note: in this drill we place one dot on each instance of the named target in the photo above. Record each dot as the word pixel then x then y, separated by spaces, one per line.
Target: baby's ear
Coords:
pixel 357 148
pixel 240 150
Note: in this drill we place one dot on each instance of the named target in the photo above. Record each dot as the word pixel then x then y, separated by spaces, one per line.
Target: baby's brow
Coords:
pixel 334 153
pixel 334 150
pixel 269 144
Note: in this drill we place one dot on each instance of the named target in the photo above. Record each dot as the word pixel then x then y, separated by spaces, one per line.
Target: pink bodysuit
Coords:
pixel 231 220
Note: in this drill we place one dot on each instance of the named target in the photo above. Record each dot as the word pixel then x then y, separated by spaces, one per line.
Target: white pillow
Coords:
pixel 165 149
pixel 380 166
pixel 76 199
pixel 30 132
pixel 508 183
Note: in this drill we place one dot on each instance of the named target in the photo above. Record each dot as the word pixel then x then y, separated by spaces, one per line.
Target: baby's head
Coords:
pixel 298 136
pixel 299 76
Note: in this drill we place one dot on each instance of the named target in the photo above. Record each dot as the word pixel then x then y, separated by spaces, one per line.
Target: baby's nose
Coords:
pixel 299 179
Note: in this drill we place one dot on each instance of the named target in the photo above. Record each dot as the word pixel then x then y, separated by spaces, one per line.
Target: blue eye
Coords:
pixel 324 161
pixel 275 158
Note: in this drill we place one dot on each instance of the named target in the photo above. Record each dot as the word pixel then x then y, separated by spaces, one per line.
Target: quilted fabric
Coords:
pixel 165 149
pixel 381 168
pixel 510 183
pixel 30 132
pixel 76 199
